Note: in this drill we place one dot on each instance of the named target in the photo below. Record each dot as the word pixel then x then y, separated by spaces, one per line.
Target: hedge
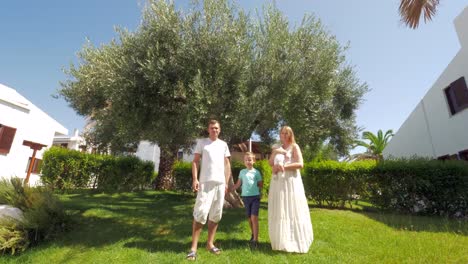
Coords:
pixel 334 183
pixel 69 169
pixel 429 187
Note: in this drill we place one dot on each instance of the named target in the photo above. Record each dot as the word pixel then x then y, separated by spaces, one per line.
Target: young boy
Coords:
pixel 251 181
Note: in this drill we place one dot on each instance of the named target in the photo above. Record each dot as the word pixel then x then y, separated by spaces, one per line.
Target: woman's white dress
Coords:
pixel 289 224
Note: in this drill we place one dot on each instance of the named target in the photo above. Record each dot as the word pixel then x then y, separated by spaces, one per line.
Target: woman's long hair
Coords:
pixel 290 134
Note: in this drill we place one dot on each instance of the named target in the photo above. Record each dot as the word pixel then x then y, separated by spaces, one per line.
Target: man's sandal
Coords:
pixel 215 250
pixel 192 255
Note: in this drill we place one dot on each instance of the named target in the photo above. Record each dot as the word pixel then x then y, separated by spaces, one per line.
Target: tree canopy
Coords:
pixel 180 68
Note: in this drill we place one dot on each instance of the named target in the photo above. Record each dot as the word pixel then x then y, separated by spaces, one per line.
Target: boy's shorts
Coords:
pixel 252 204
pixel 209 202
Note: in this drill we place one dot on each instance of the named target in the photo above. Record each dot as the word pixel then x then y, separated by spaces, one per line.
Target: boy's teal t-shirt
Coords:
pixel 249 179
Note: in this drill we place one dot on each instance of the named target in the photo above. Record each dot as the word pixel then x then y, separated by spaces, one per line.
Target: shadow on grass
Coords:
pixel 416 223
pixel 149 220
pixel 401 221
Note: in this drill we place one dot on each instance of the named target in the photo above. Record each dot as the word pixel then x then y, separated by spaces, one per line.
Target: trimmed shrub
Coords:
pixel 183 176
pixel 69 169
pixel 422 186
pixel 265 170
pixel 65 169
pixel 334 183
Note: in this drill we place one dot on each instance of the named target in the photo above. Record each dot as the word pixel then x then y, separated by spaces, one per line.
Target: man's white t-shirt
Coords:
pixel 212 159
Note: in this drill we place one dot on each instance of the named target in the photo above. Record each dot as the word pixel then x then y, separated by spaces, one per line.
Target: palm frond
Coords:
pixel 411 10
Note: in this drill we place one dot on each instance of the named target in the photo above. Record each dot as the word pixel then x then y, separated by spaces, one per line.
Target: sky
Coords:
pixel 38 39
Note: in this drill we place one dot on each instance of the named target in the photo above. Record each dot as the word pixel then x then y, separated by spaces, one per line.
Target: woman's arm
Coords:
pixel 271 160
pixel 297 161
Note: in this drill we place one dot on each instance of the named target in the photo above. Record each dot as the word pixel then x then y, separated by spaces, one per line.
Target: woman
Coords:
pixel 289 222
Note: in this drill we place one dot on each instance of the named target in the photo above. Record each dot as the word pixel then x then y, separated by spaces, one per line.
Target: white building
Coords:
pixel 23 128
pixel 151 152
pixel 74 142
pixel 438 126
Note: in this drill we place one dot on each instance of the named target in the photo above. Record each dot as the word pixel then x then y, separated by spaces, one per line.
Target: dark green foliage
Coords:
pixel 66 169
pixel 335 183
pixel 415 186
pixel 123 173
pixel 179 68
pixel 43 216
pixel 422 186
pixel 183 176
pixel 265 170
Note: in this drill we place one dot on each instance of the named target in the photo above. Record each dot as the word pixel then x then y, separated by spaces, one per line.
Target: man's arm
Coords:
pixel 227 170
pixel 195 162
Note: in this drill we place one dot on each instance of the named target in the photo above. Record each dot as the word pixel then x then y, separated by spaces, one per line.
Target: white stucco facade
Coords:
pixel 151 152
pixel 73 142
pixel 31 124
pixel 431 130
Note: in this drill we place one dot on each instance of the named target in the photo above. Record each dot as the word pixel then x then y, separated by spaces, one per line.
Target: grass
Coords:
pixel 155 227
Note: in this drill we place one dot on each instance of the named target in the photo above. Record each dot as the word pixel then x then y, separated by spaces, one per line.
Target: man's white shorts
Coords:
pixel 209 202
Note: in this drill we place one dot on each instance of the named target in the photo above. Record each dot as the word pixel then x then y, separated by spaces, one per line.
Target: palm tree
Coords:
pixel 411 10
pixel 375 147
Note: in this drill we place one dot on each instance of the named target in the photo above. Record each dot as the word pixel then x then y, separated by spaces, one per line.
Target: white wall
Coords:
pixel 150 152
pixel 31 124
pixel 431 130
pixel 412 138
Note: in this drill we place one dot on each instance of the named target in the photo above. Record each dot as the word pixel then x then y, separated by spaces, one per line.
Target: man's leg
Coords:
pixel 212 226
pixel 215 215
pixel 196 230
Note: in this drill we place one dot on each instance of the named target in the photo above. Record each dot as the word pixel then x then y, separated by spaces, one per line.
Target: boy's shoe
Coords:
pixel 253 244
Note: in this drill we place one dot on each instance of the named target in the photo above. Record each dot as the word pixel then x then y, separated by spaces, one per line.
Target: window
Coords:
pixel 457 95
pixel 36 167
pixel 7 134
pixel 463 154
pixel 180 155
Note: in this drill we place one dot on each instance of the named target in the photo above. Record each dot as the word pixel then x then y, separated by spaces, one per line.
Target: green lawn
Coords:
pixel 155 227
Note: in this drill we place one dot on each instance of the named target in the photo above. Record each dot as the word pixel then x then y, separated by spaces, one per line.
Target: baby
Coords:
pixel 279 160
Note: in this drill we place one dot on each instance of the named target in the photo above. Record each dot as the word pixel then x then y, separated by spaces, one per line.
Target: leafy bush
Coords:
pixel 43 215
pixel 336 183
pixel 407 185
pixel 65 169
pixel 183 176
pixel 68 169
pixel 265 170
pixel 422 186
pixel 125 173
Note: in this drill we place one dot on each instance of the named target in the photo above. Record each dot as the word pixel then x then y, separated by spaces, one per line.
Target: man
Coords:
pixel 211 186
